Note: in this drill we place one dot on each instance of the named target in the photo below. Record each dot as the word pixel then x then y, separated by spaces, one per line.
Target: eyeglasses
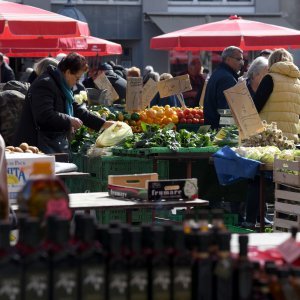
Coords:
pixel 237 58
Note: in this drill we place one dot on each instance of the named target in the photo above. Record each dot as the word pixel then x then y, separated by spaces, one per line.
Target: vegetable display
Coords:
pixel 271 136
pixel 154 136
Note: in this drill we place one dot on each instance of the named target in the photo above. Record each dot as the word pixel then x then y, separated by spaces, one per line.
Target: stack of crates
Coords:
pixel 286 175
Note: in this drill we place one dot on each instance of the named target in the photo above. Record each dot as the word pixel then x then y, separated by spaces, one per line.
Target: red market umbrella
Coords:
pixel 235 31
pixel 18 21
pixel 86 46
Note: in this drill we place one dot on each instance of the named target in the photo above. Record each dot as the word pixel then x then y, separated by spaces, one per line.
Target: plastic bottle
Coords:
pixel 44 194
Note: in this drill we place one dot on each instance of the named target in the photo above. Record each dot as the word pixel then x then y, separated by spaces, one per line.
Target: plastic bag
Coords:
pixel 114 135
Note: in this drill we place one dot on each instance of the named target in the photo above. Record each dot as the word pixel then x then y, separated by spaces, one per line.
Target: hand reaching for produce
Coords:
pixel 75 123
pixel 107 124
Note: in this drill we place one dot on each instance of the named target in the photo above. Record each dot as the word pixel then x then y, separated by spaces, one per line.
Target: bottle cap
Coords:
pixel 217 213
pixel 135 235
pixel 178 238
pixel 243 242
pixel 29 233
pixel 115 240
pixel 203 214
pixel 60 231
pixel 102 236
pixel 294 231
pixel 4 235
pixel 86 230
pixel 283 272
pixel 203 241
pixel 146 236
pixel 158 238
pixel 224 241
pixel 41 168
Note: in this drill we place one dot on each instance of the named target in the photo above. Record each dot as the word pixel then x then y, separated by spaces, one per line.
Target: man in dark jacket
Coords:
pixel 223 78
pixel 6 72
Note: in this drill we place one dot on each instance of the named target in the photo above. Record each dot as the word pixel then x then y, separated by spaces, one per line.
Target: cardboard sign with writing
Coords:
pixel 243 110
pixel 134 93
pixel 104 84
pixel 174 86
pixel 149 91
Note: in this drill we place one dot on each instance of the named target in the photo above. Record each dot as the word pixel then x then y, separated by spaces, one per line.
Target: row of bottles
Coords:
pixel 122 262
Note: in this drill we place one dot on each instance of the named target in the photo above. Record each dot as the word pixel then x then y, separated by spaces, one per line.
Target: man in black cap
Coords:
pixel 116 81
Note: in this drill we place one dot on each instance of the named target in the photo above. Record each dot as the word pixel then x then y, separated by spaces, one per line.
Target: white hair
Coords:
pixel 60 56
pixel 257 66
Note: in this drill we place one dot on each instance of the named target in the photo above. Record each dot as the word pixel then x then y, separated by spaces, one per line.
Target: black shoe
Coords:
pixel 248 225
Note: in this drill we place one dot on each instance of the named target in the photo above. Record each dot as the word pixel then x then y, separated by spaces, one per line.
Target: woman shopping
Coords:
pixel 50 115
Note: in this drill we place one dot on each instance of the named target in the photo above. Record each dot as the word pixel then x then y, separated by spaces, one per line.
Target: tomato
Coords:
pixel 197 116
pixel 180 114
pixel 182 120
pixel 194 111
pixel 186 112
pixel 189 121
pixel 201 121
pixel 190 116
pixel 196 121
pixel 201 114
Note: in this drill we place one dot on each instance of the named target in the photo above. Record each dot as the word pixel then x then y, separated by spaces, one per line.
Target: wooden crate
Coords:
pixel 282 171
pixel 287 207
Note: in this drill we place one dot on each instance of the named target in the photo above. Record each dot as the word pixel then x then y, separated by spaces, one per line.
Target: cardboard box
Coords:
pixel 147 187
pixel 287 172
pixel 19 168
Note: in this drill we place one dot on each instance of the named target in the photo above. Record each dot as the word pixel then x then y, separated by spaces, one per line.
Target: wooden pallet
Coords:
pixel 287 207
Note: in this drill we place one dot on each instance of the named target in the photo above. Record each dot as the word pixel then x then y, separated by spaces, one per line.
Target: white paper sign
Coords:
pixel 174 86
pixel 104 84
pixel 134 93
pixel 149 92
pixel 243 110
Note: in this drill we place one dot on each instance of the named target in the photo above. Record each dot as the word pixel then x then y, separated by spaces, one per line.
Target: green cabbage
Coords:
pixel 114 135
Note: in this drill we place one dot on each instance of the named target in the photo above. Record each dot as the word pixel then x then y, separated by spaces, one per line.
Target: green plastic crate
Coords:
pixel 142 215
pixel 237 229
pixel 80 161
pixel 231 219
pixel 101 167
pixel 106 216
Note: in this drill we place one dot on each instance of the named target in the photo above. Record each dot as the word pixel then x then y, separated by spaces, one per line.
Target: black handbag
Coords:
pixel 49 141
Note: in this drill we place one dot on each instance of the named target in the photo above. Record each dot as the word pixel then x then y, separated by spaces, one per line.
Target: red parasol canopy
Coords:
pixel 18 21
pixel 235 31
pixel 86 46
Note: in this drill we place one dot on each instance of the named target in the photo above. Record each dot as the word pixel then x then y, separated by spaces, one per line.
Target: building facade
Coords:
pixel 133 23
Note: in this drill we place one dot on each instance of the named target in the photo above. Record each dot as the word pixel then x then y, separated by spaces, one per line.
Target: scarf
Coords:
pixel 69 97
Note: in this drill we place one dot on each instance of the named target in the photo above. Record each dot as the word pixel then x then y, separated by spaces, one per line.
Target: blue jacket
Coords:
pixel 221 79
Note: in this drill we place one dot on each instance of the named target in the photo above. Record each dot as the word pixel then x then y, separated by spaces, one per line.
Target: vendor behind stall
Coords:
pixel 50 115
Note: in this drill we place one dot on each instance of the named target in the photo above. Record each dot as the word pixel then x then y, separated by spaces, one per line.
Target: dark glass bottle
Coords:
pixel 270 275
pixel 10 267
pixel 138 273
pixel 35 269
pixel 295 281
pixel 63 265
pixel 91 276
pixel 181 266
pixel 286 287
pixel 202 280
pixel 244 271
pixel 160 280
pixel 117 267
pixel 224 268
